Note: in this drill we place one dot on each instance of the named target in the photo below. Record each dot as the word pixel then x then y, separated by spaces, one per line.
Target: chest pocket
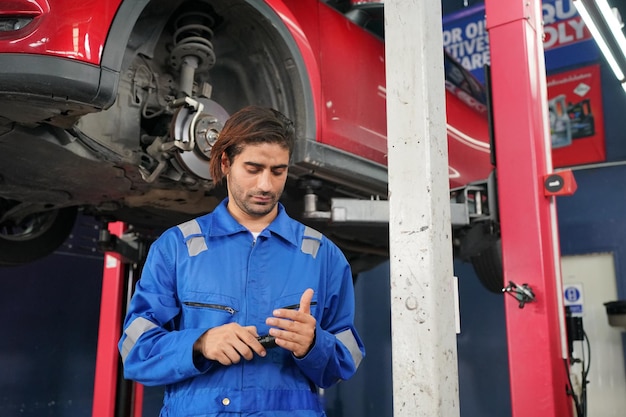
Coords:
pixel 208 310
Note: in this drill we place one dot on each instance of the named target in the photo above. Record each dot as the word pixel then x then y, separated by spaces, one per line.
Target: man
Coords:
pixel 213 287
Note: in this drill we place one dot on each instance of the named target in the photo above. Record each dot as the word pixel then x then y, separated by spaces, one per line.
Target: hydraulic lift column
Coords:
pixel 537 347
pixel 113 395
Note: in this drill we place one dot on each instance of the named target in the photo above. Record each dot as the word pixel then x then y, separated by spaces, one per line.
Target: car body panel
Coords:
pixel 61 28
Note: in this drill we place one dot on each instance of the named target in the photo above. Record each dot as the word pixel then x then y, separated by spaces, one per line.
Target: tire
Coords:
pixel 36 237
pixel 488 266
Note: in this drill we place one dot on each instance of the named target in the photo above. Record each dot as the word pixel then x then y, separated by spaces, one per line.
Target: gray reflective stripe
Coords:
pixel 133 332
pixel 347 338
pixel 193 237
pixel 311 241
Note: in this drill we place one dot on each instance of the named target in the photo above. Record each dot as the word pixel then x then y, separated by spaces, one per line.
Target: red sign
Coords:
pixel 576 117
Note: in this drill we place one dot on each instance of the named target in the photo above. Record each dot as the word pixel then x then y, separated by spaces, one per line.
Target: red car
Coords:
pixel 110 107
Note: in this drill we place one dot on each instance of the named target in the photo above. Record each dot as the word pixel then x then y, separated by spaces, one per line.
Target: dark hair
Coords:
pixel 252 124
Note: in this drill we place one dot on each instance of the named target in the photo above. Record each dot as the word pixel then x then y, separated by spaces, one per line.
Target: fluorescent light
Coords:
pixel 606 30
pixel 614 24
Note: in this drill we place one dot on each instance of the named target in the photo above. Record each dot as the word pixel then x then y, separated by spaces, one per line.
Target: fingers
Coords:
pixel 254 343
pixel 228 343
pixel 305 301
pixel 294 329
pixel 289 319
pixel 292 335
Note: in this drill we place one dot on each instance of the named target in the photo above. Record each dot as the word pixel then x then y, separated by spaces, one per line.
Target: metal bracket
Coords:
pixel 523 294
pixel 129 246
pixel 185 120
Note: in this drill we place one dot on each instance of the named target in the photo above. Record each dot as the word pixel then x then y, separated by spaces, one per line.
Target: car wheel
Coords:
pixel 36 236
pixel 488 266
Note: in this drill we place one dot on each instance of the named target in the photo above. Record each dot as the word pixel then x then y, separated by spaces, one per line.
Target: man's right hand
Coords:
pixel 228 343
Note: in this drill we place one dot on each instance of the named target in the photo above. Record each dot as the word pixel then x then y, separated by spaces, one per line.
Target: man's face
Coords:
pixel 256 179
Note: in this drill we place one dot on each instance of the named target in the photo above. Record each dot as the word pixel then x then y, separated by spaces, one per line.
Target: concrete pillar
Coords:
pixel 425 372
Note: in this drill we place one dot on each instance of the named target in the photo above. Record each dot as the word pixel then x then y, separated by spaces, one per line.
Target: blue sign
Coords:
pixel 572 294
pixel 566 40
pixel 573 298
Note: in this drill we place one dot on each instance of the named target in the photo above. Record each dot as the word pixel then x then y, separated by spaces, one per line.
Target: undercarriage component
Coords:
pixel 129 245
pixel 474 203
pixel 34 236
pixel 469 205
pixel 193 49
pixel 193 132
pixel 349 210
pixel 473 215
pixel 197 132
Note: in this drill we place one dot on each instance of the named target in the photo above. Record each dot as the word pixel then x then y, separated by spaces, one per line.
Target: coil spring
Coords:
pixel 192 37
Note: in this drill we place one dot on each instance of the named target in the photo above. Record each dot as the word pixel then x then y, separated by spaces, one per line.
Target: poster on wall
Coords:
pixel 576 116
pixel 566 40
pixel 465 38
pixel 574 97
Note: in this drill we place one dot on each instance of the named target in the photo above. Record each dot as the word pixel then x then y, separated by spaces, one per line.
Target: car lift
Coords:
pixel 123 255
pixel 537 345
pixel 535 318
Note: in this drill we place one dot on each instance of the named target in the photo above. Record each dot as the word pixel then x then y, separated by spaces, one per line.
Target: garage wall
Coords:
pixel 50 315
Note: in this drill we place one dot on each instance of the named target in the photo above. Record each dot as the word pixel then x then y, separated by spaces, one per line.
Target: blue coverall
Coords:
pixel 210 271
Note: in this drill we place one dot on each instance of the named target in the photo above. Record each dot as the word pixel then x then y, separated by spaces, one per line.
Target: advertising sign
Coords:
pixel 567 41
pixel 576 116
pixel 574 97
pixel 465 38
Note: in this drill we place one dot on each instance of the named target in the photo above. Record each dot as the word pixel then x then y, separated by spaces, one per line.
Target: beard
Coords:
pixel 256 203
pixel 254 208
pixel 253 201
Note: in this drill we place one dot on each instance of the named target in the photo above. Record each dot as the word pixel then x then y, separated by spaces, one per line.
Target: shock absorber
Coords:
pixel 193 48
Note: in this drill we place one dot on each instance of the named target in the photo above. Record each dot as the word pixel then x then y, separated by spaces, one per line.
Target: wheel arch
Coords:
pixel 300 46
pixel 113 52
pixel 278 14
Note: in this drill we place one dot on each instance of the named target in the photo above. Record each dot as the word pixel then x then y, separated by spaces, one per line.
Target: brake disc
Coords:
pixel 197 134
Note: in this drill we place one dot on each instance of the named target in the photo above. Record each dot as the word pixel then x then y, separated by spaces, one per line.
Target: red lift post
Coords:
pixel 530 247
pixel 114 397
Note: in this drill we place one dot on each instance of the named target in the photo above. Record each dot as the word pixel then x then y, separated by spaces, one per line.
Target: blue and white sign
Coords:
pixel 566 40
pixel 573 298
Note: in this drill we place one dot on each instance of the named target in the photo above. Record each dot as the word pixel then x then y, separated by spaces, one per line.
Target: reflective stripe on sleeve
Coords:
pixel 133 332
pixel 347 338
pixel 193 237
pixel 311 241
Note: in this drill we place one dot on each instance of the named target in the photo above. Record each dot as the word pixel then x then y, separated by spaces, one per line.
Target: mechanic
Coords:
pixel 244 310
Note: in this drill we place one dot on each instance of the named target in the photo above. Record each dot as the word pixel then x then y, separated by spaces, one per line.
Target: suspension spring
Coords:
pixel 193 47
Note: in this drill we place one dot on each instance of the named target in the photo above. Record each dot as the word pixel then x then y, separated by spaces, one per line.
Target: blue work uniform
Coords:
pixel 211 271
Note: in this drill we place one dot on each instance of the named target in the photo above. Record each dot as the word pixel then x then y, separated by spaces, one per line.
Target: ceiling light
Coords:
pixel 606 29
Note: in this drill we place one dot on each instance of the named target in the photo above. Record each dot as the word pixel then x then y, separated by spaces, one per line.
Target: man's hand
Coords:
pixel 228 343
pixel 294 329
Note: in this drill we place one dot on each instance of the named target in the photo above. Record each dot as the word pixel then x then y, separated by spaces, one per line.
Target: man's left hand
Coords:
pixel 294 330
